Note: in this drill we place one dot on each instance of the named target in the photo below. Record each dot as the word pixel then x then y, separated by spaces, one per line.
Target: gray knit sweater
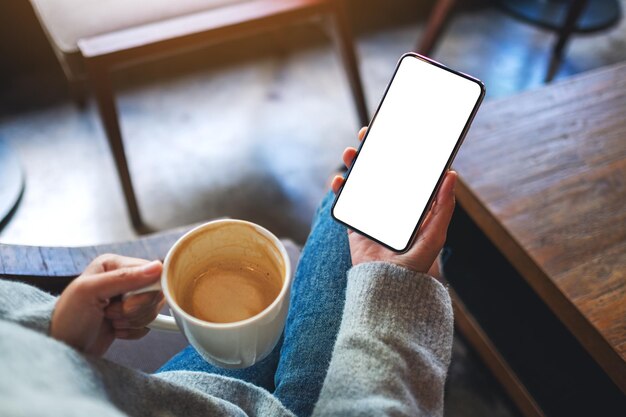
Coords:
pixel 390 358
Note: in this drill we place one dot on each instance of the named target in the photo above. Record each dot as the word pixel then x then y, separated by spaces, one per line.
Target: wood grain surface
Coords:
pixel 544 176
pixel 52 268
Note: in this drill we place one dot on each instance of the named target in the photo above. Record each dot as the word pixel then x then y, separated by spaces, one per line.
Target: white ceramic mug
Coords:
pixel 228 345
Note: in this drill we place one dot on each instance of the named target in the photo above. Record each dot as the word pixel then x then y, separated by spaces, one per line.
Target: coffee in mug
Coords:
pixel 228 284
pixel 231 290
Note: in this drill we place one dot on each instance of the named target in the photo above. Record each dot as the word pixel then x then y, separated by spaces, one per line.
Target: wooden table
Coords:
pixel 543 174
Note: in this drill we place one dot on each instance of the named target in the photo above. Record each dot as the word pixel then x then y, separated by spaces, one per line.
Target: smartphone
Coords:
pixel 410 143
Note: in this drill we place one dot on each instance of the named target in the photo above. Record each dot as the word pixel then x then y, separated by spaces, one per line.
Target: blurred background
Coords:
pixel 250 127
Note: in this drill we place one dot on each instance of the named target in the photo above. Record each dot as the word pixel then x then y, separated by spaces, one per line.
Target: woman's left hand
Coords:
pixel 90 313
pixel 423 256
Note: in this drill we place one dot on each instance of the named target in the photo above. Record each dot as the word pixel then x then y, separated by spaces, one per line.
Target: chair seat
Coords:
pixel 67 21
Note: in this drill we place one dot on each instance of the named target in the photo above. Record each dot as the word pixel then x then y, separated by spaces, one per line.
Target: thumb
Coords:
pixel 122 280
pixel 436 226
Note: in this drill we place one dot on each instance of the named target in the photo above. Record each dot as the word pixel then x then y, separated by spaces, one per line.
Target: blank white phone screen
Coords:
pixel 406 149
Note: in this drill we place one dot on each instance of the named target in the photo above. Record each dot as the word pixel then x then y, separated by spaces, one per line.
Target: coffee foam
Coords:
pixel 220 261
pixel 230 291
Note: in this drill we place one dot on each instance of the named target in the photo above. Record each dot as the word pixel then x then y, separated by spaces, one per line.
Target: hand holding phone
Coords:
pixel 409 146
pixel 422 256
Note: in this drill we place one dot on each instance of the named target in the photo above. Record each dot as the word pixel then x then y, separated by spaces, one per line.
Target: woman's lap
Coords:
pixel 296 368
pixel 318 296
pixel 260 374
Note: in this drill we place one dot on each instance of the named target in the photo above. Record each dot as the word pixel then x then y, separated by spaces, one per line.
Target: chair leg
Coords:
pixel 342 36
pixel 103 93
pixel 569 25
pixel 434 26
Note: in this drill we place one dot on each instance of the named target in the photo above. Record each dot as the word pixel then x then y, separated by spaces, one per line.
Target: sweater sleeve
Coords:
pixel 26 305
pixel 393 348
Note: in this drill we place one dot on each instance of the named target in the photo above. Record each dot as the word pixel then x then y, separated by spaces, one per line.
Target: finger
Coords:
pixel 136 321
pixel 362 133
pixel 132 305
pixel 131 334
pixel 437 202
pixel 114 311
pixel 348 156
pixel 436 227
pixel 139 318
pixel 110 262
pixel 337 183
pixel 145 314
pixel 120 281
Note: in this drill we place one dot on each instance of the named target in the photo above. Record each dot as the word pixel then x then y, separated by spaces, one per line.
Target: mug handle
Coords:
pixel 161 322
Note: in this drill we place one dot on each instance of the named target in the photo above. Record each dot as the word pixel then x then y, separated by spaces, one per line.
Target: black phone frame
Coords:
pixel 457 146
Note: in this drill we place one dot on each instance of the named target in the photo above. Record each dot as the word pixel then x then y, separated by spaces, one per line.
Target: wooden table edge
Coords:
pixel 591 339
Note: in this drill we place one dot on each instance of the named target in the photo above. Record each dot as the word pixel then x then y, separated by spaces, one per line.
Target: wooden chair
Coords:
pixel 92 38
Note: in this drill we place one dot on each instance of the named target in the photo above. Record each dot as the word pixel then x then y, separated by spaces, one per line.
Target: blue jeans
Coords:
pixel 295 370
